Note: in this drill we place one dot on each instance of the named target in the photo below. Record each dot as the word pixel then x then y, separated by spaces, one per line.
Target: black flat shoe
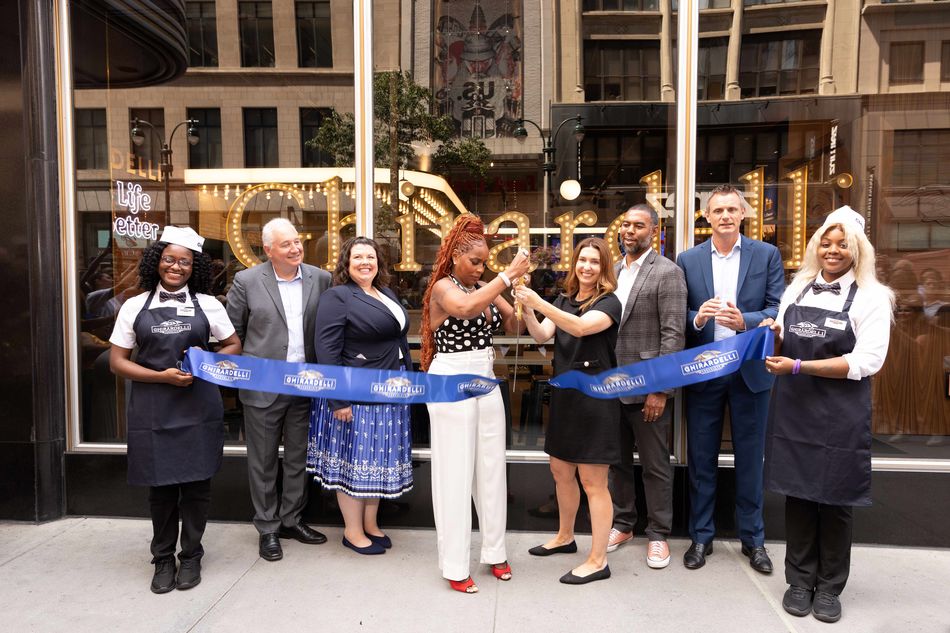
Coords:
pixel 541 550
pixel 570 579
pixel 189 574
pixel 695 556
pixel 758 558
pixel 164 579
pixel 303 533
pixel 372 548
pixel 269 548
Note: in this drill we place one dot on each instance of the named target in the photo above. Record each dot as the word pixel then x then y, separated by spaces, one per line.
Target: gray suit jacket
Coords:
pixel 257 312
pixel 654 314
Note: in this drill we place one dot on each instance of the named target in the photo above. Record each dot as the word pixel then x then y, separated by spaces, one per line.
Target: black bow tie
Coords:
pixel 171 296
pixel 834 288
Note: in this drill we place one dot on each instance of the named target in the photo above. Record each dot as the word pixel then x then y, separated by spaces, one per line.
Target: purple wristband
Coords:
pixel 797 367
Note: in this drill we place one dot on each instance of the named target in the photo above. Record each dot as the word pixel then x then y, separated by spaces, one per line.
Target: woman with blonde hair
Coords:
pixel 459 314
pixel 584 433
pixel 832 334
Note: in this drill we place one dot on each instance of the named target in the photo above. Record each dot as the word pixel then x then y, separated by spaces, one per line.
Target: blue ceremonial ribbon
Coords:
pixel 683 368
pixel 355 384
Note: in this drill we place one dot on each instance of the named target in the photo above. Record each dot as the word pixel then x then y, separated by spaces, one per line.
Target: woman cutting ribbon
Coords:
pixel 175 424
pixel 584 433
pixel 832 332
pixel 459 314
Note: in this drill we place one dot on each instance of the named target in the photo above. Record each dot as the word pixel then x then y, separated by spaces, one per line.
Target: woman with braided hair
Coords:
pixel 459 314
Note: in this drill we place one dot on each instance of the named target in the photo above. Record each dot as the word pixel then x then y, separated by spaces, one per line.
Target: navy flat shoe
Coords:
pixel 372 548
pixel 541 550
pixel 570 579
pixel 383 540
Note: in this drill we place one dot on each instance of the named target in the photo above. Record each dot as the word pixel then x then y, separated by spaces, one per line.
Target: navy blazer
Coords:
pixel 356 330
pixel 759 292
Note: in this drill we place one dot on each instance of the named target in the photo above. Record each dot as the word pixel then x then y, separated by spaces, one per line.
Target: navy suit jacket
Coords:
pixel 356 330
pixel 759 292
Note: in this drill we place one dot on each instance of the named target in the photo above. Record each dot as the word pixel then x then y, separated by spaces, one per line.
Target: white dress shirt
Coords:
pixel 291 296
pixel 397 311
pixel 725 270
pixel 123 334
pixel 870 317
pixel 628 277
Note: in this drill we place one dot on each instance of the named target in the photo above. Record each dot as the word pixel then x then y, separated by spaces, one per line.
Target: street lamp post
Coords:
pixel 166 168
pixel 549 165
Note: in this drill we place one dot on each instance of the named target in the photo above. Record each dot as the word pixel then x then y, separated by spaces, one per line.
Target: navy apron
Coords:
pixel 818 443
pixel 175 434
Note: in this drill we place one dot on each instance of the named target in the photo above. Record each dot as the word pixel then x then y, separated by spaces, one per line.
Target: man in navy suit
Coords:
pixel 733 283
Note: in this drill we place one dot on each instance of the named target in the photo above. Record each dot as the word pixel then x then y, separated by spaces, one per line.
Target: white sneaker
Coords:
pixel 618 538
pixel 658 554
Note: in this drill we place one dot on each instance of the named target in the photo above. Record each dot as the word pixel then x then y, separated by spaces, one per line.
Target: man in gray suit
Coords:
pixel 652 291
pixel 273 307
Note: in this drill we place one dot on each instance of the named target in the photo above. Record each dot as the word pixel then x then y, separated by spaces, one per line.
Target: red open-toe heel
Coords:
pixel 465 586
pixel 501 571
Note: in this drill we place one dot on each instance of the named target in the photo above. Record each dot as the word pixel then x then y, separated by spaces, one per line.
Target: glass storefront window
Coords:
pixel 783 110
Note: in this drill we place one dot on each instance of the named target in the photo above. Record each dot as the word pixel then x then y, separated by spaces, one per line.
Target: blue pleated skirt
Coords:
pixel 368 457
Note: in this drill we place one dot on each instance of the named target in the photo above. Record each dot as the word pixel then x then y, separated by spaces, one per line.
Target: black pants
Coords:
pixel 188 502
pixel 818 555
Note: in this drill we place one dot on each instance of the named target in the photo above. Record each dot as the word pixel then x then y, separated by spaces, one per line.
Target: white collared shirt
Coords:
pixel 725 270
pixel 628 277
pixel 291 296
pixel 123 334
pixel 870 317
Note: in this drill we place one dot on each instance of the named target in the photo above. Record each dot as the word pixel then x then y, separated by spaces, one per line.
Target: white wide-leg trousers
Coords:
pixel 468 462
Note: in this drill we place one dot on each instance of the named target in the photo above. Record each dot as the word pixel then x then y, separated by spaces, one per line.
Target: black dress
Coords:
pixel 582 429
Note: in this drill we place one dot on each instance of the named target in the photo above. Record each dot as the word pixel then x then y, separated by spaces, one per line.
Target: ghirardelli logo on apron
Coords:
pixel 171 326
pixel 807 329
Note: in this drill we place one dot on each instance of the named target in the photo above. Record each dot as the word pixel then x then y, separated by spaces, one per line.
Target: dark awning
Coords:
pixel 127 43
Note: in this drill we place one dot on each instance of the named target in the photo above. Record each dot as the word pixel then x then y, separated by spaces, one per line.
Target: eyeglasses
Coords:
pixel 184 263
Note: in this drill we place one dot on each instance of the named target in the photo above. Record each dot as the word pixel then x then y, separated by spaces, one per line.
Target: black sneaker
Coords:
pixel 189 574
pixel 164 579
pixel 797 601
pixel 827 607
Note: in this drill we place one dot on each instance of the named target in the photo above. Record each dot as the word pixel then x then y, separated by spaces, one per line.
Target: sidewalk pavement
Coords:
pixel 92 575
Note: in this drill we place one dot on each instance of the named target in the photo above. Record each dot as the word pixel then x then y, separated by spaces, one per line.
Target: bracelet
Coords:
pixel 797 367
pixel 504 278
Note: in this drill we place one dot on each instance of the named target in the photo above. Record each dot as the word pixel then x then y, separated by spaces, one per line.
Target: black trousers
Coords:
pixel 818 555
pixel 188 502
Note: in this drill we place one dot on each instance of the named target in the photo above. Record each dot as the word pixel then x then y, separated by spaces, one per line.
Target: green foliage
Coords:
pixel 414 123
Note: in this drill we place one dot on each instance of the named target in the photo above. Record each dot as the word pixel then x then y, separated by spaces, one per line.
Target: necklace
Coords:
pixel 466 289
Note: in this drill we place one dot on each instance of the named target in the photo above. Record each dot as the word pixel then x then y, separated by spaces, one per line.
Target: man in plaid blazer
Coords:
pixel 652 290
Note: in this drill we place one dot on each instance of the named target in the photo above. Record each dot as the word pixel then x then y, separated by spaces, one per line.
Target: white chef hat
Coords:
pixel 182 236
pixel 844 215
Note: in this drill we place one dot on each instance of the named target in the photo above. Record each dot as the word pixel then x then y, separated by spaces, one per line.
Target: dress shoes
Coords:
pixel 541 550
pixel 797 601
pixel 695 556
pixel 189 573
pixel 164 579
pixel 826 607
pixel 303 533
pixel 383 540
pixel 372 548
pixel 758 558
pixel 570 579
pixel 269 548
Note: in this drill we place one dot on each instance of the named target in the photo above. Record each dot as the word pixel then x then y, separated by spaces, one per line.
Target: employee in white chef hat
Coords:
pixel 175 423
pixel 832 332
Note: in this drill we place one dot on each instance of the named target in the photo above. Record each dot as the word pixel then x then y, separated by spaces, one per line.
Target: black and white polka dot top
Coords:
pixel 462 335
